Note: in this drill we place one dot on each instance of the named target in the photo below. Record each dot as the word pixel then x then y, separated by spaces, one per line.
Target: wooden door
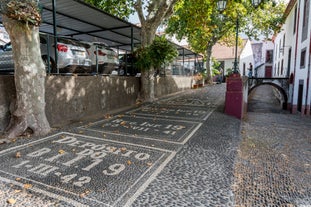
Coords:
pixel 268 72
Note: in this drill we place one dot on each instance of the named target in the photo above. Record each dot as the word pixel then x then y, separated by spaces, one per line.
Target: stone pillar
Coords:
pixel 234 96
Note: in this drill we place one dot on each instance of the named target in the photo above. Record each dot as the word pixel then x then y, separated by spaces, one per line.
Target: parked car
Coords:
pixel 127 65
pixel 107 58
pixel 6 58
pixel 72 55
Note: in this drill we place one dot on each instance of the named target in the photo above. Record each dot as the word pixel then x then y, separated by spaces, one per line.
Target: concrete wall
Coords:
pixel 72 98
pixel 171 84
pixel 245 96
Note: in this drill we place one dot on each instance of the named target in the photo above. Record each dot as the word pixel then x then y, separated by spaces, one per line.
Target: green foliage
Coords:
pixel 160 52
pixel 215 64
pixel 215 67
pixel 143 58
pixel 120 8
pixel 200 22
pixel 229 71
pixel 265 20
pixel 26 11
pixel 202 25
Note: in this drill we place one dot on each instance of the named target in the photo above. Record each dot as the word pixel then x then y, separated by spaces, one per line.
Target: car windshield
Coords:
pixel 72 42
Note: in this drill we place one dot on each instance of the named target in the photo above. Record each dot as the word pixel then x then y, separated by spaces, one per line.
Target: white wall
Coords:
pixel 289 50
pixel 246 57
pixel 292 46
pixel 228 64
pixel 302 73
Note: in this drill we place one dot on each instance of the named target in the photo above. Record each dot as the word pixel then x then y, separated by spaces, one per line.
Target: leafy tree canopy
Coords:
pixel 200 22
pixel 265 20
pixel 120 8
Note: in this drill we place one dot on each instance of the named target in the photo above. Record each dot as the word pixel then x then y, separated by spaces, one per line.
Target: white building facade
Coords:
pixel 293 53
pixel 263 58
pixel 246 59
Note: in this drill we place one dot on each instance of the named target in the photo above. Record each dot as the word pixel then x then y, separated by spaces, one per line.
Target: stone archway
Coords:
pixel 279 88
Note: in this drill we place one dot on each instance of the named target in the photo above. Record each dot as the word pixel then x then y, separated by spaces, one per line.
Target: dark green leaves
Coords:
pixel 158 53
pixel 120 8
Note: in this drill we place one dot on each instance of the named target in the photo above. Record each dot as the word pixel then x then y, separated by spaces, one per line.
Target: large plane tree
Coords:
pixel 21 19
pixel 203 25
pixel 151 14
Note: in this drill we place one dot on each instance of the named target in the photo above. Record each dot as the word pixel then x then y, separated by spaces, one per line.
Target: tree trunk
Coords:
pixel 147 81
pixel 147 76
pixel 158 10
pixel 209 78
pixel 29 110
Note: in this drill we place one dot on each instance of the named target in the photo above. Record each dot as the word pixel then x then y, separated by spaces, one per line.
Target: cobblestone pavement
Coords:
pixel 201 174
pixel 180 151
pixel 273 167
pixel 262 99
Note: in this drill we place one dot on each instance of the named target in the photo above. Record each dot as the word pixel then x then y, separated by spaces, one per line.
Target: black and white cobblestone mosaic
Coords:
pixel 173 112
pixel 172 131
pixel 201 174
pixel 106 173
pixel 159 156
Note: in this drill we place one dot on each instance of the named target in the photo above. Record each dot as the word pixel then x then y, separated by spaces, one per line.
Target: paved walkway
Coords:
pixel 262 99
pixel 274 157
pixel 180 151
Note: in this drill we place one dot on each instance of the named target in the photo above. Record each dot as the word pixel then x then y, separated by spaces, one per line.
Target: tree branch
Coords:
pixel 160 12
pixel 139 9
pixel 170 10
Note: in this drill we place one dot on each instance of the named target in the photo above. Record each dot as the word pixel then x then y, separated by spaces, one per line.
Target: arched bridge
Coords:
pixel 281 84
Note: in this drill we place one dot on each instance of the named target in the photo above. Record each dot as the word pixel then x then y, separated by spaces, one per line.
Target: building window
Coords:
pixel 279 50
pixel 303 58
pixel 269 56
pixel 289 61
pixel 305 20
pixel 295 19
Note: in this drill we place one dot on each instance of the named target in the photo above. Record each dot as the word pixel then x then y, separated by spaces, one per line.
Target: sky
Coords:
pixel 134 19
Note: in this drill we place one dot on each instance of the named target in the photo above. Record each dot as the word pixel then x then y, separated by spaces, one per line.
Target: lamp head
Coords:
pixel 256 3
pixel 221 5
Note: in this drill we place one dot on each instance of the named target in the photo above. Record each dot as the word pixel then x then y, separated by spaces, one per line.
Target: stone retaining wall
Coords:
pixel 71 98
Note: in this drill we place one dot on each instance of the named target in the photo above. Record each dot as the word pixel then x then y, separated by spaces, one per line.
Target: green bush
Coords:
pixel 160 52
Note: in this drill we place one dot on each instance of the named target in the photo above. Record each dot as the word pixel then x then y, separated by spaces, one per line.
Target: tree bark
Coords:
pixel 29 75
pixel 147 76
pixel 147 81
pixel 209 78
pixel 158 10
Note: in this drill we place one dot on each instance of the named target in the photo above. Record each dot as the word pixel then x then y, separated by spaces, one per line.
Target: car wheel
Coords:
pixel 52 64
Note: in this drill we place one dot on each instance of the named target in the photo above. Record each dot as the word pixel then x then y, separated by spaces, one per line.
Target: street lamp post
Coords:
pixel 221 5
pixel 236 101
